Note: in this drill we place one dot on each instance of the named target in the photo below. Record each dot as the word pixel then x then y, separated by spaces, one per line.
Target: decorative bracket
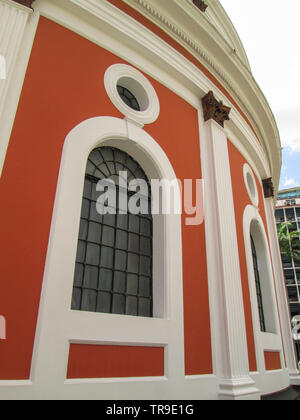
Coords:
pixel 201 5
pixel 27 3
pixel 212 109
pixel 268 188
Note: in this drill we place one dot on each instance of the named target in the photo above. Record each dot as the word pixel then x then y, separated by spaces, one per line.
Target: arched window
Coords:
pixel 258 287
pixel 113 272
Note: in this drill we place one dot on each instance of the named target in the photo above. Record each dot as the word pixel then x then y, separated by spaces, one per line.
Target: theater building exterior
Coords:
pixel 136 306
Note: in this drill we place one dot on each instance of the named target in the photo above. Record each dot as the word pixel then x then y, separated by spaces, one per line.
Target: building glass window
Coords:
pixel 258 288
pixel 128 98
pixel 113 272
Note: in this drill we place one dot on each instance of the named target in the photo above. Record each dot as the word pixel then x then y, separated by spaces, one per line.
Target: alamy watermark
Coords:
pixel 2 68
pixel 166 197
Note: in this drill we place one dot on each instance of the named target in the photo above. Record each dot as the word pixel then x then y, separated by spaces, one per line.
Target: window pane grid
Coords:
pixel 258 288
pixel 114 257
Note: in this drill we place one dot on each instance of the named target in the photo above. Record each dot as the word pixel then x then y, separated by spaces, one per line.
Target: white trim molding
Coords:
pixel 283 307
pixel 58 325
pixel 17 30
pixel 133 80
pixel 229 343
pixel 250 184
pixel 271 339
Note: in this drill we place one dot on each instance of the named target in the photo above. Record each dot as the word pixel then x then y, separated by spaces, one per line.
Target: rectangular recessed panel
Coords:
pixel 92 361
pixel 272 360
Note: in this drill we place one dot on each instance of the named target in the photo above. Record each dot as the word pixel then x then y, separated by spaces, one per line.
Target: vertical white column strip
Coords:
pixel 285 319
pixel 229 341
pixel 15 46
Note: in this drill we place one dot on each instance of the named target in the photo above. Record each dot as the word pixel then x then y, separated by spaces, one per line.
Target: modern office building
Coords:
pixel 288 211
pixel 165 305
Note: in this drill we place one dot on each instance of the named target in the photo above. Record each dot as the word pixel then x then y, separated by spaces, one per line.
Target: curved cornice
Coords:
pixel 200 37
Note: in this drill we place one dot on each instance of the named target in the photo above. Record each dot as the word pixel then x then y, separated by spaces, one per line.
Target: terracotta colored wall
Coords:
pixel 63 87
pixel 272 360
pixel 241 200
pixel 89 361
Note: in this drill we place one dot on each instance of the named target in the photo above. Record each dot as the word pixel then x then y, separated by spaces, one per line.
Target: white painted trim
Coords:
pixel 270 341
pixel 149 53
pixel 250 184
pixel 17 30
pixel 283 307
pixel 57 324
pixel 229 343
pixel 141 88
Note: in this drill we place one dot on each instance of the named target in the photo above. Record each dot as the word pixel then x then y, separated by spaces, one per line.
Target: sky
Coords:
pixel 269 31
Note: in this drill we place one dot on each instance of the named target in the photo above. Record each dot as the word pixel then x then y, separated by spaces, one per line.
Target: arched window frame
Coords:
pixel 270 340
pixel 119 284
pixel 58 325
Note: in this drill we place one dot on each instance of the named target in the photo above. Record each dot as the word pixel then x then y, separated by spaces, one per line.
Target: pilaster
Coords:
pixel 231 363
pixel 13 20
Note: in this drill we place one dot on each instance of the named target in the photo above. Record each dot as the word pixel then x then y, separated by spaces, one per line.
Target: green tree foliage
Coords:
pixel 289 241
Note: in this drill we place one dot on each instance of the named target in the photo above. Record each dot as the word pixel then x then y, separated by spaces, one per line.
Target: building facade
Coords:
pixel 171 304
pixel 288 211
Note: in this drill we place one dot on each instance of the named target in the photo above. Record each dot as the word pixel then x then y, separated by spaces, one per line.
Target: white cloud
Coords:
pixel 293 144
pixel 290 182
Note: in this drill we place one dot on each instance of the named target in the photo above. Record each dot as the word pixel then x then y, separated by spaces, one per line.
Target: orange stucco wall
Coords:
pixel 90 361
pixel 63 87
pixel 241 200
pixel 272 360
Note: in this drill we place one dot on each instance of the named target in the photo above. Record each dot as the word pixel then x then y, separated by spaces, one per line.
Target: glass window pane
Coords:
pixel 133 242
pixel 122 221
pixel 93 254
pixel 118 306
pixel 80 257
pixel 85 208
pixel 121 239
pixel 76 299
pixel 78 277
pixel 145 266
pixel 145 227
pixel 131 305
pixel 119 282
pixel 145 286
pixel 108 237
pixel 104 302
pixel 144 307
pixel 87 188
pixel 146 245
pixel 83 229
pixel 94 234
pixel 89 300
pixel 94 215
pixel 105 279
pixel 90 277
pixel 113 272
pixel 133 263
pixel 134 223
pixel 107 257
pixel 120 260
pixel 132 284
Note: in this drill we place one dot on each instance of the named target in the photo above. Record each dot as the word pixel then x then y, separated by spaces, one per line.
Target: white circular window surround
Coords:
pixel 135 82
pixel 251 186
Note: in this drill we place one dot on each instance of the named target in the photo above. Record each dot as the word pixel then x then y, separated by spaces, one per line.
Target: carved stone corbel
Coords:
pixel 212 109
pixel 27 3
pixel 201 5
pixel 268 188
